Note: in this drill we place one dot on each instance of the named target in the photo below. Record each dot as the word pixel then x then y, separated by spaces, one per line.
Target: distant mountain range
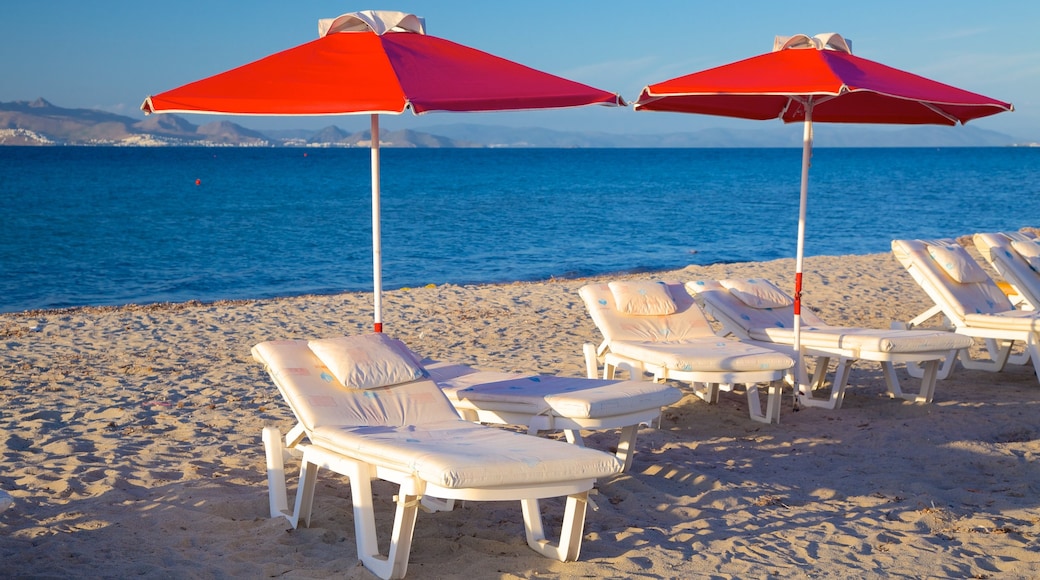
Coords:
pixel 40 123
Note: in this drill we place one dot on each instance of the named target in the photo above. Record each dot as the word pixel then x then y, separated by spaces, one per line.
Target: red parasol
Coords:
pixel 374 62
pixel 816 79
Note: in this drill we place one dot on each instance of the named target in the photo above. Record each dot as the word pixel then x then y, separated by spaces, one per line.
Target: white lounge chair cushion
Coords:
pixel 572 397
pixel 776 325
pixel 705 355
pixel 1029 250
pixel 957 300
pixel 642 298
pixel 866 339
pixel 317 398
pixel 1014 320
pixel 759 295
pixel 957 263
pixel 460 454
pixel 687 322
pixel 367 361
pixel 413 428
pixel 719 295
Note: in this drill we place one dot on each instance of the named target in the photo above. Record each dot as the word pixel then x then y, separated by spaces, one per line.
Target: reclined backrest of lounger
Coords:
pixel 750 304
pixel 1016 257
pixel 319 399
pixel 645 311
pixel 951 277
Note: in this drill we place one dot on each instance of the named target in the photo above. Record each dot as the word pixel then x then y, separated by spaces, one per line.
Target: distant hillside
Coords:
pixel 40 123
pixel 228 133
pixel 766 134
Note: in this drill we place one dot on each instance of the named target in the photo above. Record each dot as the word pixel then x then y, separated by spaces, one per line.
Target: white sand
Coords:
pixel 131 447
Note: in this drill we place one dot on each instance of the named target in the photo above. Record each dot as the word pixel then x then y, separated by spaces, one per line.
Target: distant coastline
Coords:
pixel 41 123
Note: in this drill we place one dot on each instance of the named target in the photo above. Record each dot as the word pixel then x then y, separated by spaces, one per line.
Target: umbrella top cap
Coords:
pixel 825 41
pixel 378 21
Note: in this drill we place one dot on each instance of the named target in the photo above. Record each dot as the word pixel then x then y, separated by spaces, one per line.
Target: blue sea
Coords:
pixel 106 226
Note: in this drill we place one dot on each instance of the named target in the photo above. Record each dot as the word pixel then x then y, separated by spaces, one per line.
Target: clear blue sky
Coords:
pixel 110 54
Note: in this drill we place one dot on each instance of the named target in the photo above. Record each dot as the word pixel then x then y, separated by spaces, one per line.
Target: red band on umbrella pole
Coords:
pixel 798 294
pixel 377 327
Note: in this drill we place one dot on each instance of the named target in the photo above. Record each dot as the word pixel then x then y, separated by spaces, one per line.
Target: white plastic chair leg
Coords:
pixel 772 414
pixel 1033 350
pixel 838 385
pixel 916 371
pixel 305 493
pixel 999 352
pixel 569 545
pixel 395 563
pixel 709 393
pixel 591 360
pixel 929 375
pixel 276 493
pixel 819 374
pixel 626 446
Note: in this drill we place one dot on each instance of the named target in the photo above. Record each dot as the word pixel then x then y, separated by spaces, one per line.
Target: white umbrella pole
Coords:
pixel 802 376
pixel 377 249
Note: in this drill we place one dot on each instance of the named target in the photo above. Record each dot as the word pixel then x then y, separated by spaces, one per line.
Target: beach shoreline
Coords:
pixel 132 447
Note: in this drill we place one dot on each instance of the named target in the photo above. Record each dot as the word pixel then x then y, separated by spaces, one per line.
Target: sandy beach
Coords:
pixel 131 447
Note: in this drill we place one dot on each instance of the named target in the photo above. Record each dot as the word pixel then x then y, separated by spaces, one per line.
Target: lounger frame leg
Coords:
pixel 627 446
pixel 929 376
pixel 567 549
pixel 276 493
pixel 819 379
pixel 772 414
pixel 276 452
pixel 395 563
pixel 591 360
pixel 707 392
pixel 916 371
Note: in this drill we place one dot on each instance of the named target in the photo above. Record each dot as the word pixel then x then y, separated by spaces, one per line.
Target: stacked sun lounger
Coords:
pixel 1016 257
pixel 970 303
pixel 756 310
pixel 655 327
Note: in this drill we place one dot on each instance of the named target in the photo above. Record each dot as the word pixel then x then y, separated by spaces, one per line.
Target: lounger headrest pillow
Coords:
pixel 758 294
pixel 642 298
pixel 956 262
pixel 1029 250
pixel 368 361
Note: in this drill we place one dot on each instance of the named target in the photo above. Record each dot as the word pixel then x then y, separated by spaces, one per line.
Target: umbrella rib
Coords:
pixel 953 120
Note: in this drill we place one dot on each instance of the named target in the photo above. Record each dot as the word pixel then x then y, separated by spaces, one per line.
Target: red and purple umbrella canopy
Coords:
pixel 375 62
pixel 816 79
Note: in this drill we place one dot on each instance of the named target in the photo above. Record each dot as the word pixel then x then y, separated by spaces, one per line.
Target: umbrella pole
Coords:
pixel 802 393
pixel 377 249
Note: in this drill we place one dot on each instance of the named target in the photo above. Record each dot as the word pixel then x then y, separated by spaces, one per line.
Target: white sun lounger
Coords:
pixel 408 433
pixel 656 328
pixel 1016 257
pixel 757 310
pixel 970 303
pixel 551 403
